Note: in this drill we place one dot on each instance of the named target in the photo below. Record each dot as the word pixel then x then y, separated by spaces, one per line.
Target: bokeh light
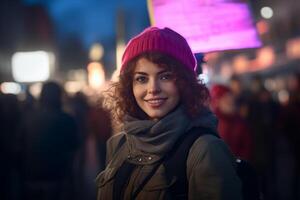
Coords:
pixel 266 12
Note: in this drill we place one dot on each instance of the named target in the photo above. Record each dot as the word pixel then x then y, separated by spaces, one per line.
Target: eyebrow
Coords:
pixel 140 73
pixel 144 73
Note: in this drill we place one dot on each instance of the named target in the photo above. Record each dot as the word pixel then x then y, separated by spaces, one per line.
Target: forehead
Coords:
pixel 147 66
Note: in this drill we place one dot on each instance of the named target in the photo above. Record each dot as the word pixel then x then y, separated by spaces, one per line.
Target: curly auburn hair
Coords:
pixel 194 95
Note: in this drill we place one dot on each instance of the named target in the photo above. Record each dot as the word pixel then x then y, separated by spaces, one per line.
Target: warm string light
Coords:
pixel 96 75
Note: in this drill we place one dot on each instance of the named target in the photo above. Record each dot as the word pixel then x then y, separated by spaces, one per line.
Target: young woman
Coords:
pixel 159 100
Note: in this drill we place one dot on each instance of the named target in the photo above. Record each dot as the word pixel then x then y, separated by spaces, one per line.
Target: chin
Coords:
pixel 156 116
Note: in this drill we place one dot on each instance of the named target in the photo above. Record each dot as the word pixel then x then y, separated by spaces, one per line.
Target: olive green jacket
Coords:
pixel 210 172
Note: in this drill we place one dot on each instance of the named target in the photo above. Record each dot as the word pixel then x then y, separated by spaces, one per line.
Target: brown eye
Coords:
pixel 166 76
pixel 141 79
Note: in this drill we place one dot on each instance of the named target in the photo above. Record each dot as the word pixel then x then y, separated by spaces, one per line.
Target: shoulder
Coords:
pixel 211 150
pixel 205 142
pixel 210 165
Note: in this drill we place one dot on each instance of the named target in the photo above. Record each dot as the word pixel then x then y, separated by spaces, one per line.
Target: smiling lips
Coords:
pixel 157 102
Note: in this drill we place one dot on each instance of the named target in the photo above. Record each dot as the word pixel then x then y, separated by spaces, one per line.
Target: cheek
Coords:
pixel 137 92
pixel 178 90
pixel 174 91
pixel 176 95
pixel 134 92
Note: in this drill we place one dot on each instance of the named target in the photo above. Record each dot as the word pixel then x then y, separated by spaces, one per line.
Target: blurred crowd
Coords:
pixel 46 141
pixel 260 128
pixel 45 145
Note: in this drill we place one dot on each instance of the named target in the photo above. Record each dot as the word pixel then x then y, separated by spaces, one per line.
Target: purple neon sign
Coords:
pixel 206 24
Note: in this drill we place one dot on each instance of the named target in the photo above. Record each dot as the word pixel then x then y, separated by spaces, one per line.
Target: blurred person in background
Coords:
pixel 10 118
pixel 290 127
pixel 29 103
pixel 48 142
pixel 262 118
pixel 100 126
pixel 78 107
pixel 232 128
pixel 240 94
pixel 95 127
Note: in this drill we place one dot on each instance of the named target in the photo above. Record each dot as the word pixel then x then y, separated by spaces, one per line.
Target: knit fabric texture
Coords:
pixel 165 41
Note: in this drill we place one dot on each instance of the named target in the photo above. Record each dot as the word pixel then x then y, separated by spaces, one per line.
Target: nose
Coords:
pixel 154 87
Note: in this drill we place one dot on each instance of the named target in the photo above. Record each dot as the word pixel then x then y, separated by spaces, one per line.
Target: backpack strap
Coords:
pixel 122 177
pixel 175 163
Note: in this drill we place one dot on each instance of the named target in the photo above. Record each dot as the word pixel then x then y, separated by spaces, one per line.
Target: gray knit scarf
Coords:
pixel 154 138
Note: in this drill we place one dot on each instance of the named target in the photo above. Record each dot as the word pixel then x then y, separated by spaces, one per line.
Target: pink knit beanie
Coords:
pixel 164 41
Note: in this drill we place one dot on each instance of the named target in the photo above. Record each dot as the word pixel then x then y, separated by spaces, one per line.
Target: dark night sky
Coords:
pixel 93 20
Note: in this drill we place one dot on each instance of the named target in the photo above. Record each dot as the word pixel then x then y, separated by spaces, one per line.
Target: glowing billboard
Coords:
pixel 208 25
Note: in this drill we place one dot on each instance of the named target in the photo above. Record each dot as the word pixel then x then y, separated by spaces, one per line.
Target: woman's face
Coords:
pixel 154 89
